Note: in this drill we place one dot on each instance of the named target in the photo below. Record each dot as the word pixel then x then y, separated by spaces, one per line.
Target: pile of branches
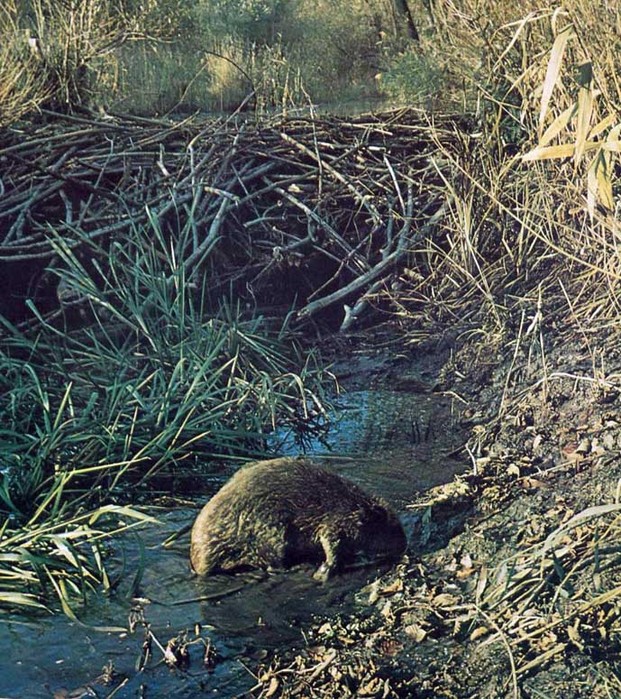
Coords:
pixel 321 212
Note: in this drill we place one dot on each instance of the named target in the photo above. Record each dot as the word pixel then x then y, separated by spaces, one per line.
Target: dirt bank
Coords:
pixel 513 582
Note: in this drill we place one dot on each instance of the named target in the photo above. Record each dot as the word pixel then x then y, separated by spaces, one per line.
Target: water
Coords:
pixel 56 657
pixel 390 442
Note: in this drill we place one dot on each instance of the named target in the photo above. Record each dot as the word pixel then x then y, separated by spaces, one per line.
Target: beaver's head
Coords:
pixel 381 534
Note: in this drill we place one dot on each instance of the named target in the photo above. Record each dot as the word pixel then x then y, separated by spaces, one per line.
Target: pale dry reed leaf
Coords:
pixel 612 146
pixel 516 36
pixel 592 186
pixel 586 102
pixel 557 125
pixel 556 17
pixel 615 133
pixel 600 167
pixel 578 519
pixel 565 150
pixel 553 71
pixel 602 125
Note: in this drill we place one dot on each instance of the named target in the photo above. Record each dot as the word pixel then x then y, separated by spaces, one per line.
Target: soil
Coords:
pixel 512 584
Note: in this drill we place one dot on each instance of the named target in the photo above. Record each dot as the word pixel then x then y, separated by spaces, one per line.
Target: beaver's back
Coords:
pixel 282 511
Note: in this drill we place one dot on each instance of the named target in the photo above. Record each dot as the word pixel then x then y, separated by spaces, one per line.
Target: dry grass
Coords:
pixel 57 53
pixel 529 249
pixel 562 592
pixel 265 76
pixel 22 86
pixel 531 214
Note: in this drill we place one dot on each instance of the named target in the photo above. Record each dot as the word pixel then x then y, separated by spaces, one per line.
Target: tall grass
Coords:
pixel 144 372
pixel 22 85
pixel 526 258
pixel 530 210
pixel 165 55
pixel 58 53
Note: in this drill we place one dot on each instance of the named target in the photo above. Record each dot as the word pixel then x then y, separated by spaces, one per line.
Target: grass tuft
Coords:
pixel 138 375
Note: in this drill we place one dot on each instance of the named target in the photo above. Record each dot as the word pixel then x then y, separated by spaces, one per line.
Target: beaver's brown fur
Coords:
pixel 273 514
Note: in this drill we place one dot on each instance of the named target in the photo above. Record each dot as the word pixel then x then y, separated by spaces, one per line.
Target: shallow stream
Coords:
pixel 392 442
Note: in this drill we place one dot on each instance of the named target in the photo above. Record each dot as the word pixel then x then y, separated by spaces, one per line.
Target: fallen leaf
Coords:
pixel 513 470
pixel 574 635
pixel 478 632
pixel 390 646
pixel 273 688
pixel 416 632
pixel 396 586
pixel 584 447
pixel 445 599
pixel 372 688
pixel 530 482
pixel 466 561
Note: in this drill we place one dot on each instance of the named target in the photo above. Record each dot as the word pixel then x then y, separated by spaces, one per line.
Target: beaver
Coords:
pixel 277 513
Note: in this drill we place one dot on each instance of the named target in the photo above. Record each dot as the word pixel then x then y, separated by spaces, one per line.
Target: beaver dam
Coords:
pixel 303 213
pixel 398 295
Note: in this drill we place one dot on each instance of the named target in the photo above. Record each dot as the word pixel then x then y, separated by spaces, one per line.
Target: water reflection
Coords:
pixel 391 443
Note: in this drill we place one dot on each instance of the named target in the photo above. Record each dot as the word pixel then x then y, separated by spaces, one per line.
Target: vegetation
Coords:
pixel 151 382
pixel 531 211
pixel 519 244
pixel 163 55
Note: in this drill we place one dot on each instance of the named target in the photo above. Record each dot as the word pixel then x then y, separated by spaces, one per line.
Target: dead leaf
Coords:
pixel 373 688
pixel 533 483
pixel 273 687
pixel 513 470
pixel 416 632
pixel 393 588
pixel 390 646
pixel 478 632
pixel 386 610
pixel 584 447
pixel 574 635
pixel 445 599
pixel 467 567
pixel 466 561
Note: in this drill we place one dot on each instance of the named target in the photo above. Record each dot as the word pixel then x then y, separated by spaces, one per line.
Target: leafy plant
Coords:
pixel 155 375
pixel 411 78
pixel 593 138
pixel 59 559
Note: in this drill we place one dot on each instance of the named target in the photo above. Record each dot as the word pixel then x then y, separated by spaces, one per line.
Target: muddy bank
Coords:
pixel 512 587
